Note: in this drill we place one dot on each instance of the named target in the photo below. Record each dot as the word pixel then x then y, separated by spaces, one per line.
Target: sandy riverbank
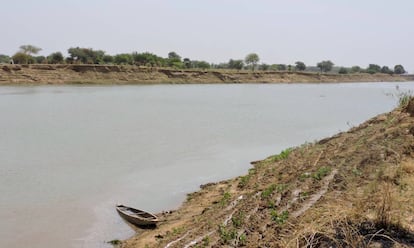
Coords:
pixel 104 74
pixel 355 189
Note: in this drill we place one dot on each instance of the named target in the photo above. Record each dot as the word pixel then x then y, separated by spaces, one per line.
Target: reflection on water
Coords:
pixel 69 154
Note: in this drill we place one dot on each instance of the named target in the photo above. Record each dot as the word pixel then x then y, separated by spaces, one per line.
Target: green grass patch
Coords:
pixel 206 241
pixel 177 231
pixel 404 98
pixel 279 218
pixel 274 187
pixel 226 235
pixel 242 239
pixel 244 180
pixel 268 191
pixel 238 220
pixel 321 173
pixel 225 199
pixel 281 156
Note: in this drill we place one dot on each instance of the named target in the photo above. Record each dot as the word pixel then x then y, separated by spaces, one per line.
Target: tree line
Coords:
pixel 27 54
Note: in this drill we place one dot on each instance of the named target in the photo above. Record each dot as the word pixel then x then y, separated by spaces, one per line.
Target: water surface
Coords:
pixel 69 154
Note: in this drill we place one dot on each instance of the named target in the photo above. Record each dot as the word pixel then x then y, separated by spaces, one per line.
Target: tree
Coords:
pixel 281 67
pixel 55 58
pixel 29 49
pixel 252 59
pixel 222 66
pixel 4 59
pixel 86 55
pixel 174 60
pixel 147 59
pixel 108 59
pixel 40 59
pixel 386 70
pixel 22 58
pixel 264 67
pixel 399 69
pixel 123 59
pixel 235 64
pixel 373 68
pixel 355 69
pixel 200 64
pixel 300 66
pixel 187 63
pixel 174 55
pixel 343 70
pixel 325 65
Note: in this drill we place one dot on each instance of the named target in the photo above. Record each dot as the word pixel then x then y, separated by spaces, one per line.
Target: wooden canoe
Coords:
pixel 136 216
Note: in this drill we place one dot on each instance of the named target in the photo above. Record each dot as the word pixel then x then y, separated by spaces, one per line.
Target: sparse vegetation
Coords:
pixel 279 218
pixel 238 220
pixel 242 239
pixel 244 181
pixel 206 241
pixel 333 193
pixel 282 155
pixel 305 175
pixel 227 235
pixel 115 242
pixel 225 199
pixel 404 98
pixel 321 173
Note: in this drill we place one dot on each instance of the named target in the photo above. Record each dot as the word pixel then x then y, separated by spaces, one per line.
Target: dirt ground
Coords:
pixel 355 189
pixel 112 74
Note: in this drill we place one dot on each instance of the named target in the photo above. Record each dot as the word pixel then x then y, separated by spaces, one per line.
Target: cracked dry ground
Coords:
pixel 355 189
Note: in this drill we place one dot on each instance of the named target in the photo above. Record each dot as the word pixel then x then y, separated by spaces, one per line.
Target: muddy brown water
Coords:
pixel 69 154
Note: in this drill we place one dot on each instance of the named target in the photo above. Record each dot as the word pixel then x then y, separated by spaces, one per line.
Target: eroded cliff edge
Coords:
pixel 113 74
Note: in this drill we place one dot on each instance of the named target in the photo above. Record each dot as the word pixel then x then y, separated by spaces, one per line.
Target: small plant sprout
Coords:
pixel 279 218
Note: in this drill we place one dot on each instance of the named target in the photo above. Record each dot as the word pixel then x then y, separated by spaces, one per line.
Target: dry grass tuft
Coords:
pixel 384 211
pixel 408 167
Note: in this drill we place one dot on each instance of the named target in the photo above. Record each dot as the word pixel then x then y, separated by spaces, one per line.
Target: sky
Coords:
pixel 347 32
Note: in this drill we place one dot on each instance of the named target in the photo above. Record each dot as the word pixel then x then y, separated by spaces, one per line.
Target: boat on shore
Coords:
pixel 136 216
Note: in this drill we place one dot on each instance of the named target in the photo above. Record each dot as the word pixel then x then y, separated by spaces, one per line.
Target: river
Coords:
pixel 69 154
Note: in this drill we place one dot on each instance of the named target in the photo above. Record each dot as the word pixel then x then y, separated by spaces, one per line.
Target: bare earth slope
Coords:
pixel 104 74
pixel 355 189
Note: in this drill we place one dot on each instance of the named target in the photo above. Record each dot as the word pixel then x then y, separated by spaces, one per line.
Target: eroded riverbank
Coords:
pixel 106 74
pixel 355 189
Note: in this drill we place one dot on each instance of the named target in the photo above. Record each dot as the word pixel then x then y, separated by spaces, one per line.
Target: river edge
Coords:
pixel 341 189
pixel 44 74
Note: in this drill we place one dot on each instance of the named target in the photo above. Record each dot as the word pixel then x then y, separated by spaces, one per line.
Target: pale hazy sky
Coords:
pixel 348 32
